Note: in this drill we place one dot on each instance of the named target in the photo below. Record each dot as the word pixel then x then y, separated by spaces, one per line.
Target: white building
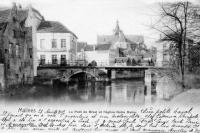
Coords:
pixel 103 54
pixel 55 43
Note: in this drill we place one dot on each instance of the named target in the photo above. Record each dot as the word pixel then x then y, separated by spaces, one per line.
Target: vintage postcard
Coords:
pixel 100 66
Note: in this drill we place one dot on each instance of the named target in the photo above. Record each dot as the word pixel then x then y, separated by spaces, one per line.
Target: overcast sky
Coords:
pixel 89 18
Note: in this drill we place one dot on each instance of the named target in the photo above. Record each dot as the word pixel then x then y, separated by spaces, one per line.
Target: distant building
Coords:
pixel 111 47
pixel 103 54
pixel 55 43
pixel 16 49
pixel 119 40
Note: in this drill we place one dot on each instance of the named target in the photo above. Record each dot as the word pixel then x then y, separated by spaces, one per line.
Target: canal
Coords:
pixel 117 92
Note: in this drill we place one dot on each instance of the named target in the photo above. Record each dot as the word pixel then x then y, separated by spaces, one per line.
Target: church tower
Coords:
pixel 119 37
pixel 117 29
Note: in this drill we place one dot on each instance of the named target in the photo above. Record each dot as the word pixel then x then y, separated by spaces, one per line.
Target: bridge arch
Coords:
pixel 78 72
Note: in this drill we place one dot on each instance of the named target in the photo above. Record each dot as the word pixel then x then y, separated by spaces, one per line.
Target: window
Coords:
pixel 17 50
pixel 42 56
pixel 42 43
pixel 42 59
pixel 63 59
pixel 54 43
pixel 63 56
pixel 19 34
pixel 63 43
pixel 31 52
pixel 16 34
pixel 54 59
pixel 10 49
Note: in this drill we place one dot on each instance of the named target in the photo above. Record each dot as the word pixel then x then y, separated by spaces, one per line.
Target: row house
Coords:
pixel 16 49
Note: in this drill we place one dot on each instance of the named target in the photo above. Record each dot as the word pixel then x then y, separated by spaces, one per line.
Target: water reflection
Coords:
pixel 123 91
pixel 115 92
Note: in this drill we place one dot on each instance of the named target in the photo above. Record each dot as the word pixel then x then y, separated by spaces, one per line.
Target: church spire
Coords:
pixel 117 29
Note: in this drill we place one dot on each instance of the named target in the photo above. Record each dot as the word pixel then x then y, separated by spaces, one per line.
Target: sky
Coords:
pixel 89 18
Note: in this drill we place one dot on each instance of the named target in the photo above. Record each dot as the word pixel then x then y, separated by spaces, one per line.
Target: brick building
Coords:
pixel 16 49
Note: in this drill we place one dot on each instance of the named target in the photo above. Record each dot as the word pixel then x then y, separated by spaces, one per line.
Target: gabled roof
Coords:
pixel 53 27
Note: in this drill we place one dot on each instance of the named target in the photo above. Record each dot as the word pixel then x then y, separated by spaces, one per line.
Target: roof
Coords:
pixel 135 38
pixel 129 38
pixel 53 27
pixel 89 47
pixel 103 47
pixel 21 13
pixel 4 14
pixel 99 47
pixel 105 38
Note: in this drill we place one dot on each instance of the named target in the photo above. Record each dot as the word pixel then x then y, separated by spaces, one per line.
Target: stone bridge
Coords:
pixel 65 73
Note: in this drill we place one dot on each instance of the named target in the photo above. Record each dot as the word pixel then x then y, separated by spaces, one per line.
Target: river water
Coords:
pixel 118 92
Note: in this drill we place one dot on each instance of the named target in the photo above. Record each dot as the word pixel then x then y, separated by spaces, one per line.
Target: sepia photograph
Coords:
pixel 100 66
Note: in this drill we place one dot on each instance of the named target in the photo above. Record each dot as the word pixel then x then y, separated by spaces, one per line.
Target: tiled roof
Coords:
pixel 53 27
pixel 103 47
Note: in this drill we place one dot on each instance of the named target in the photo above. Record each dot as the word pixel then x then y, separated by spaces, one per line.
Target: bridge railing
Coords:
pixel 57 63
pixel 63 63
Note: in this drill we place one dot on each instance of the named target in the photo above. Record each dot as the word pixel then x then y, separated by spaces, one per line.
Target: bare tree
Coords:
pixel 176 24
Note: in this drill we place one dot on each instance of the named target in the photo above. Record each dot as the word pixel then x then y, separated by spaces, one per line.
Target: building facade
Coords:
pixel 16 49
pixel 55 44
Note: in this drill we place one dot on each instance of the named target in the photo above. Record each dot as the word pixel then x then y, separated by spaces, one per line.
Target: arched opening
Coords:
pixel 81 77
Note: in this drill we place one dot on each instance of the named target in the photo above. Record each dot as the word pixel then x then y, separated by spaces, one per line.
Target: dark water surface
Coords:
pixel 116 92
